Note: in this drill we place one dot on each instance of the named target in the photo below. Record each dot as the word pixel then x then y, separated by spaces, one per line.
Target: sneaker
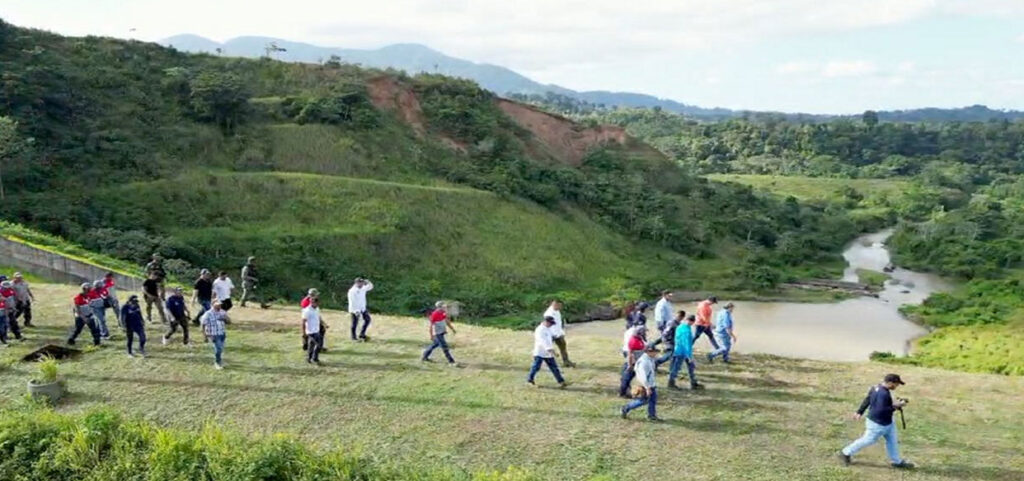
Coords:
pixel 846 460
pixel 323 349
pixel 696 386
pixel 903 465
pixel 29 324
pixel 71 342
pixel 531 384
pixel 423 359
pixel 673 385
pixel 655 419
pixel 164 341
pixel 218 366
pixel 309 361
pixel 563 385
pixel 623 412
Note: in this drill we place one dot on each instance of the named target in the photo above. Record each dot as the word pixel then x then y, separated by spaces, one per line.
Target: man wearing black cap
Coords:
pixel 879 422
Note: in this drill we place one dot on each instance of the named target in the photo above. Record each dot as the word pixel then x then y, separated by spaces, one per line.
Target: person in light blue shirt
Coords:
pixel 683 353
pixel 663 310
pixel 724 334
pixel 648 391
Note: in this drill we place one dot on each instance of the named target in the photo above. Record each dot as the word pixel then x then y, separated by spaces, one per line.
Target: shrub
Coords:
pixel 47 370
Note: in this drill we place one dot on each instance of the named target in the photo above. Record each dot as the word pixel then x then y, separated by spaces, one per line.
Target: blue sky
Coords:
pixel 819 56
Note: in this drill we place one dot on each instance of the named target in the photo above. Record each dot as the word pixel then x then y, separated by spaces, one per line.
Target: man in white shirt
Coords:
pixel 357 307
pixel 311 328
pixel 544 351
pixel 558 332
pixel 649 395
pixel 222 288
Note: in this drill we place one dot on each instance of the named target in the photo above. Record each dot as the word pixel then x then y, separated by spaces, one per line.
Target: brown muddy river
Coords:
pixel 843 331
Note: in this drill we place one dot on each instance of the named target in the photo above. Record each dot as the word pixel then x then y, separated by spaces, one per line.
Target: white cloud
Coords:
pixel 850 68
pixel 1020 39
pixel 795 68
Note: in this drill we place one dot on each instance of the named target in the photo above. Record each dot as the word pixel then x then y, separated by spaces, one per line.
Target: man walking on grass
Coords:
pixel 357 307
pixel 22 300
pixel 9 297
pixel 213 325
pixel 648 391
pixel 682 352
pixel 83 316
pixel 3 321
pixel 704 327
pixel 311 294
pixel 668 338
pixel 98 303
pixel 880 408
pixel 222 289
pixel 179 316
pixel 202 294
pixel 131 313
pixel 250 282
pixel 311 328
pixel 544 352
pixel 724 334
pixel 155 270
pixel 634 352
pixel 110 286
pixel 152 293
pixel 439 323
pixel 558 331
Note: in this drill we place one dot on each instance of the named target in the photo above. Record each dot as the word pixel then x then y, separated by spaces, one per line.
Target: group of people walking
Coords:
pixel 15 303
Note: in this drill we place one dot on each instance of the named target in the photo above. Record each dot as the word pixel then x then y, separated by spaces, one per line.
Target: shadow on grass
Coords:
pixel 988 473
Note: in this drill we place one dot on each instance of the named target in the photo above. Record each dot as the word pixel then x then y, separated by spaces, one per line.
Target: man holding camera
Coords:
pixel 881 409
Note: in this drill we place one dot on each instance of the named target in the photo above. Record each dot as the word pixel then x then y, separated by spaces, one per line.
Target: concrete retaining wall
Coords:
pixel 57 267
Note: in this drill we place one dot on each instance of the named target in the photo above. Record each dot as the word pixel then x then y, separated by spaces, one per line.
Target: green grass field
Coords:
pixel 764 418
pixel 815 188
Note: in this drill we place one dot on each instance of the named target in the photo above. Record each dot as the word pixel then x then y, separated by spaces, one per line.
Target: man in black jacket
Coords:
pixel 880 408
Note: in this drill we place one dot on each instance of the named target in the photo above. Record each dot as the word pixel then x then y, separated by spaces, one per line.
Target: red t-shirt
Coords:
pixel 3 304
pixel 7 292
pixel 636 343
pixel 80 300
pixel 438 316
pixel 96 293
pixel 306 301
pixel 107 284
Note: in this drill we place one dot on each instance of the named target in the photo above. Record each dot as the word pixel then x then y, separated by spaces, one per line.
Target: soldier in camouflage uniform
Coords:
pixel 250 279
pixel 155 270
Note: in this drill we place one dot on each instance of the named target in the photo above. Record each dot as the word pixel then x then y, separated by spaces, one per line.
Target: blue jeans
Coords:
pixel 100 313
pixel 651 402
pixel 677 363
pixel 438 341
pixel 3 328
pixel 205 305
pixel 707 331
pixel 666 357
pixel 552 365
pixel 628 373
pixel 873 431
pixel 723 351
pixel 365 315
pixel 218 347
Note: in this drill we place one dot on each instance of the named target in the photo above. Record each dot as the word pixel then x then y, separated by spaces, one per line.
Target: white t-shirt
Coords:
pixel 357 297
pixel 222 288
pixel 625 338
pixel 312 317
pixel 556 328
pixel 542 341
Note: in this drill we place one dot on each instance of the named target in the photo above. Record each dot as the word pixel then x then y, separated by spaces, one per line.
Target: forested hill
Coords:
pixel 415 58
pixel 429 185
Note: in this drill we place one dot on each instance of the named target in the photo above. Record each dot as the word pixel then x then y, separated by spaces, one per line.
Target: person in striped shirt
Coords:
pixel 213 325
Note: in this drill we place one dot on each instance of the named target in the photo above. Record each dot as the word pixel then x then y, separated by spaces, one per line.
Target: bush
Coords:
pixel 47 370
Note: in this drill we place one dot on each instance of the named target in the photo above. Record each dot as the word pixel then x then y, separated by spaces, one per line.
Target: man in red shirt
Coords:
pixel 9 310
pixel 438 323
pixel 635 349
pixel 3 321
pixel 84 316
pixel 110 286
pixel 704 325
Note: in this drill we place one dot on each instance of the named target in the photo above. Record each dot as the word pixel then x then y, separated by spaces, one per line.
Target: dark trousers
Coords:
pixel 11 324
pixel 23 309
pixel 226 305
pixel 355 323
pixel 705 330
pixel 3 328
pixel 438 341
pixel 323 337
pixel 80 324
pixel 628 373
pixel 175 322
pixel 132 329
pixel 314 343
pixel 154 301
pixel 677 363
pixel 552 365
pixel 651 401
pixel 563 349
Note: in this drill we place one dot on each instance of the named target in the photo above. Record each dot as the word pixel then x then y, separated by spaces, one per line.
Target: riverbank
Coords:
pixel 376 399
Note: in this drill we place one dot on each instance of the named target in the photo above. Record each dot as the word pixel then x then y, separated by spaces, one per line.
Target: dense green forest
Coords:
pixel 129 148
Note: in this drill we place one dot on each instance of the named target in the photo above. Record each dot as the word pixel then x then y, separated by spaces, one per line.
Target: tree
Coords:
pixel 8 145
pixel 870 118
pixel 220 98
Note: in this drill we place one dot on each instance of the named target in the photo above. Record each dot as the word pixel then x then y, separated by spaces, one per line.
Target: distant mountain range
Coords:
pixel 415 58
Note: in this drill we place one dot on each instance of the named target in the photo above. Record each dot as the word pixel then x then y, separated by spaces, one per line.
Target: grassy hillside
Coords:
pixel 764 418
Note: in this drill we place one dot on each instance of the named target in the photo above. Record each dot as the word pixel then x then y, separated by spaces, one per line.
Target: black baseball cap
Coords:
pixel 894 378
